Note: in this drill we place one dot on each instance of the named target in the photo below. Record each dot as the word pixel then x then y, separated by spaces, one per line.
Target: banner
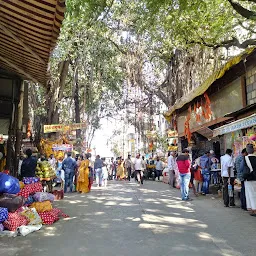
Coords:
pixel 235 126
pixel 63 128
pixel 53 128
pixel 63 147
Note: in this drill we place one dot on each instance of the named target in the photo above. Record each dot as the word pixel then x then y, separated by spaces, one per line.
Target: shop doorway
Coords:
pixel 216 149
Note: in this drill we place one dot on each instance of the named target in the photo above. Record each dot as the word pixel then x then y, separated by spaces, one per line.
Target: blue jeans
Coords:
pixel 184 185
pixel 158 174
pixel 215 177
pixel 206 182
pixel 69 175
pixel 98 173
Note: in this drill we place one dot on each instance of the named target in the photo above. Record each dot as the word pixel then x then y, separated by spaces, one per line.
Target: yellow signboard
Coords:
pixel 53 128
pixel 62 127
pixel 172 133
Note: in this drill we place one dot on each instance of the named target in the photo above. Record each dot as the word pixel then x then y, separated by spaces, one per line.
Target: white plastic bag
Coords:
pixel 25 230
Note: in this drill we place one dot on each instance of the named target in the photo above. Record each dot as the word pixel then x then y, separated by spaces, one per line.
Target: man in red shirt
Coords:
pixel 184 165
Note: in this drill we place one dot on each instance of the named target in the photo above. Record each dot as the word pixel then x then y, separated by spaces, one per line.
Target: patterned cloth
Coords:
pixel 14 221
pixel 1 227
pixel 30 180
pixel 51 216
pixel 32 215
pixel 30 189
pixel 3 214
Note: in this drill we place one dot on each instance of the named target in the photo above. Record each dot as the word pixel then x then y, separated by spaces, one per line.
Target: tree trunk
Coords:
pixel 77 102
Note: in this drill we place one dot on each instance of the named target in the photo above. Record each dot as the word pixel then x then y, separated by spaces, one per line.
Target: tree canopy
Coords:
pixel 117 54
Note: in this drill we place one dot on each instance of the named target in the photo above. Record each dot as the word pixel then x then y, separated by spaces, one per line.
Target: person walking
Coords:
pixel 240 166
pixel 128 167
pixel 98 164
pixel 172 166
pixel 184 165
pixel 83 176
pixel 205 164
pixel 120 172
pixel 227 174
pixel 69 166
pixel 250 180
pixel 159 168
pixel 112 168
pixel 138 169
pixel 144 165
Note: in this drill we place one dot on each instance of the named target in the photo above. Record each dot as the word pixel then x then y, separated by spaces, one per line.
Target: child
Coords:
pixel 198 179
pixel 105 175
pixel 214 167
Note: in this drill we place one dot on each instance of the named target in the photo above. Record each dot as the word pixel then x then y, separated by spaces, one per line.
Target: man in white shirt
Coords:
pixel 227 173
pixel 171 167
pixel 138 167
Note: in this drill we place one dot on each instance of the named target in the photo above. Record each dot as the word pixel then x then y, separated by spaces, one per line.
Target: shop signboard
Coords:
pixel 53 128
pixel 62 147
pixel 62 127
pixel 237 125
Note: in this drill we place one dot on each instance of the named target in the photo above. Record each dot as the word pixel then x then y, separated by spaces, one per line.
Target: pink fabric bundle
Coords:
pixel 14 221
pixel 51 216
pixel 31 189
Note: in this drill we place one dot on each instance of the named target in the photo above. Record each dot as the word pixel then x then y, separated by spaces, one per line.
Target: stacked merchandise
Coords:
pixel 44 170
pixel 24 207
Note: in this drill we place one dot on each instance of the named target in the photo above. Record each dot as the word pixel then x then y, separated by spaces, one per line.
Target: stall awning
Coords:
pixel 28 33
pixel 235 126
pixel 200 90
pixel 204 129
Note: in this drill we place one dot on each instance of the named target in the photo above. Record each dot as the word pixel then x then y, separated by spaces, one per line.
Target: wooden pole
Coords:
pixel 19 130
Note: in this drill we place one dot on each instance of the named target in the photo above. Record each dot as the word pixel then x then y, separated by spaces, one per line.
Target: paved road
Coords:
pixel 151 220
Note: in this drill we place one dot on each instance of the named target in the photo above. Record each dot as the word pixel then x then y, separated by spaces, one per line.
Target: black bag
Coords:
pixel 247 174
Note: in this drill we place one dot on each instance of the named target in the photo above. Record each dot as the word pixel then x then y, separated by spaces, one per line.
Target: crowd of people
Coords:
pixel 79 173
pixel 197 175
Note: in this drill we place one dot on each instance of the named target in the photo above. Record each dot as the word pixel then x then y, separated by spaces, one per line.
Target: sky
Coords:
pixel 101 138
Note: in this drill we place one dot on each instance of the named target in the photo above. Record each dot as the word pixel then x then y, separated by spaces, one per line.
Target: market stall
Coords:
pixel 24 207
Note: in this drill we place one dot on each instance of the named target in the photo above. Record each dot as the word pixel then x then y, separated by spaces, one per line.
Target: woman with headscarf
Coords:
pixel 250 179
pixel 83 185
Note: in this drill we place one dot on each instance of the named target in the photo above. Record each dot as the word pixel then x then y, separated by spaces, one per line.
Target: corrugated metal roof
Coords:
pixel 28 33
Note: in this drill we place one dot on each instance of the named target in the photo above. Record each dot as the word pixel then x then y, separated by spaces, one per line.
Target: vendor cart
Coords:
pixel 150 172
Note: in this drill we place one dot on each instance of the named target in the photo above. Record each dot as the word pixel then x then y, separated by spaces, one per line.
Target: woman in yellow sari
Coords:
pixel 120 170
pixel 83 177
